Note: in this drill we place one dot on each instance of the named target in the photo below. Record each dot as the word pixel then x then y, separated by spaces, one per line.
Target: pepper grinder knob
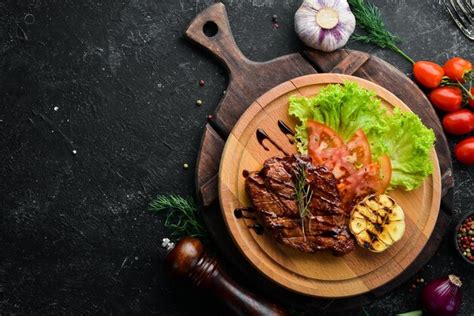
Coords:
pixel 189 261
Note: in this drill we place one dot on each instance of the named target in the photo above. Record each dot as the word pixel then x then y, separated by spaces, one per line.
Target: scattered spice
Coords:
pixel 465 238
pixel 56 108
pixel 185 166
pixel 167 244
pixel 275 24
pixel 74 151
pixel 210 117
pixel 199 102
pixel 201 83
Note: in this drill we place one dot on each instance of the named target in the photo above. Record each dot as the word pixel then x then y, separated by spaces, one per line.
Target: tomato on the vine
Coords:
pixel 428 73
pixel 464 151
pixel 456 68
pixel 459 122
pixel 448 99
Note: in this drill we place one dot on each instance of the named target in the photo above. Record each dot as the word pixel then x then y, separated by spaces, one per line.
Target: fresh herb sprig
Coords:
pixel 369 17
pixel 303 193
pixel 182 218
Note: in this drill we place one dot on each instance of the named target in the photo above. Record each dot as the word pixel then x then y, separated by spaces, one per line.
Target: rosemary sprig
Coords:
pixel 303 194
pixel 182 218
pixel 369 18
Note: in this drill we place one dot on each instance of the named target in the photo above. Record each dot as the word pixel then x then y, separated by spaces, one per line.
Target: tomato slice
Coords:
pixel 385 175
pixel 321 138
pixel 350 163
pixel 359 149
pixel 358 184
pixel 372 178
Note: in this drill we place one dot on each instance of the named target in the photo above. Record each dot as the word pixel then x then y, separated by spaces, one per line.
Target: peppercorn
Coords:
pixel 465 238
pixel 199 102
pixel 185 166
pixel 201 83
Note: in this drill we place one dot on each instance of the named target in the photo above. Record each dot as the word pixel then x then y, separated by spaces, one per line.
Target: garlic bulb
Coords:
pixel 324 24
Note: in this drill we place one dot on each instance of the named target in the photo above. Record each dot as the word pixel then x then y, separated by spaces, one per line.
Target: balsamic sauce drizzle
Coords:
pixel 245 173
pixel 285 129
pixel 239 212
pixel 262 135
pixel 258 229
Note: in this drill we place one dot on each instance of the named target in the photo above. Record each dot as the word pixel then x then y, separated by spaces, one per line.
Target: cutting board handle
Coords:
pixel 211 29
pixel 189 261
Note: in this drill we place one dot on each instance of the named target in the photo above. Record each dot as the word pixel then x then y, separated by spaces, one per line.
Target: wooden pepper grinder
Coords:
pixel 187 260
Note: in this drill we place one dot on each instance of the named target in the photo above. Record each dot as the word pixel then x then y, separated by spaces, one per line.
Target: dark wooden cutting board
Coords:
pixel 247 81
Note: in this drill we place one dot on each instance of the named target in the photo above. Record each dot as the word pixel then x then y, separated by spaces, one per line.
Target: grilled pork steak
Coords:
pixel 272 191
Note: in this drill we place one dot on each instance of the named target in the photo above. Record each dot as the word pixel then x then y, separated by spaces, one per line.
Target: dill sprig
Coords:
pixel 369 18
pixel 303 193
pixel 182 218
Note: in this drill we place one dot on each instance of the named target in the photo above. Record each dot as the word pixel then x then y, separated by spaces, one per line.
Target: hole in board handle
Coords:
pixel 210 29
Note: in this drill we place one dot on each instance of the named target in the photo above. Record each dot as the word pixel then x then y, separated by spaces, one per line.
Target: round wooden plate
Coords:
pixel 320 274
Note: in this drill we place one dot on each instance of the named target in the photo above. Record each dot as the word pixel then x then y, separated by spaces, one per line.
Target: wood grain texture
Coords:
pixel 321 274
pixel 246 80
pixel 207 168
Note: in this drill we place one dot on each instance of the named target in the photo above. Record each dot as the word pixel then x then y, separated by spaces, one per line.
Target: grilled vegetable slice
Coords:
pixel 377 222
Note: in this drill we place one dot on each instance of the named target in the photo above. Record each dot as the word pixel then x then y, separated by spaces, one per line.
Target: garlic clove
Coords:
pixel 324 25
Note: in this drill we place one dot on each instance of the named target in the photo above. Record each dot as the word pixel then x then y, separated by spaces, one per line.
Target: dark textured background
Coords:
pixel 75 235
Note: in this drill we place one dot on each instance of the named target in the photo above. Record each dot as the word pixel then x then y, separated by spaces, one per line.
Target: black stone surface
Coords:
pixel 114 82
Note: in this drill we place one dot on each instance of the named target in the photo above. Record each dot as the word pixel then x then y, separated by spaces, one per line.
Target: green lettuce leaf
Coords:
pixel 348 107
pixel 408 144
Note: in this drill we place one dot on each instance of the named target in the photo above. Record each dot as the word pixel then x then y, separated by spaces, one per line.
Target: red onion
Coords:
pixel 442 297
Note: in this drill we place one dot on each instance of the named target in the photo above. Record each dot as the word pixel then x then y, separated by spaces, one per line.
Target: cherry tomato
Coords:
pixel 455 68
pixel 428 74
pixel 448 99
pixel 464 151
pixel 471 101
pixel 459 122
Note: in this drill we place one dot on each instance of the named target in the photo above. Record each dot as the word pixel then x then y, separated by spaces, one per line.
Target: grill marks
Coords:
pixel 272 191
